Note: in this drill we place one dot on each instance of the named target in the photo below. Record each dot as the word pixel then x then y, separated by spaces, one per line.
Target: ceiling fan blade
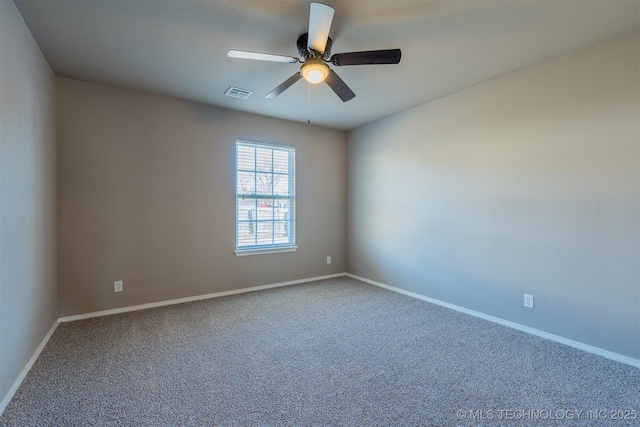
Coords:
pixel 389 56
pixel 284 86
pixel 339 87
pixel 320 18
pixel 243 54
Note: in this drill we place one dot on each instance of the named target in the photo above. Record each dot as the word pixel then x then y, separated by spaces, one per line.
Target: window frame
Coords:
pixel 257 249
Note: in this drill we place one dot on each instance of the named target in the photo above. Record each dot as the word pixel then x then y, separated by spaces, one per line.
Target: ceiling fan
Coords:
pixel 314 49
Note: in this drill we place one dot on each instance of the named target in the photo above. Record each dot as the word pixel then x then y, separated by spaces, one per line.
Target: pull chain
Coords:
pixel 308 103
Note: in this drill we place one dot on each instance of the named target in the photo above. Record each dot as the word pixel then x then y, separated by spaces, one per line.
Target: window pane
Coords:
pixel 247 209
pixel 281 210
pixel 246 157
pixel 264 183
pixel 265 210
pixel 281 185
pixel 281 232
pixel 263 160
pixel 246 183
pixel 281 161
pixel 246 233
pixel 265 233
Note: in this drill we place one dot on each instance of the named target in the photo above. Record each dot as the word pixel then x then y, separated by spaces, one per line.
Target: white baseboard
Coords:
pixel 562 340
pixel 194 298
pixel 27 368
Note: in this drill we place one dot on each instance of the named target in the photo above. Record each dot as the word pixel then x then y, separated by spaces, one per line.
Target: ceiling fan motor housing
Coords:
pixel 305 53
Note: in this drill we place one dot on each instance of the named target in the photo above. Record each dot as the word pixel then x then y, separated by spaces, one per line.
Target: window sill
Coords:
pixel 264 251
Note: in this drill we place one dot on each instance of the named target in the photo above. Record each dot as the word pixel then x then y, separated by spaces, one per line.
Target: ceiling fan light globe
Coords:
pixel 314 71
pixel 315 76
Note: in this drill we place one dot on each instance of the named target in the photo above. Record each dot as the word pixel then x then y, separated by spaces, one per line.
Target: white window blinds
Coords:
pixel 265 196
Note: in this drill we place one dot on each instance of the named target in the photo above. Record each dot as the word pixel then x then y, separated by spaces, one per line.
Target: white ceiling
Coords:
pixel 178 48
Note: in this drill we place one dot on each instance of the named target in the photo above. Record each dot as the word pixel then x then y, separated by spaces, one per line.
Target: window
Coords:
pixel 265 198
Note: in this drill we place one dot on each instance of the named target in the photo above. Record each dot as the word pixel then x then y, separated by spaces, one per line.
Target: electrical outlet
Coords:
pixel 117 286
pixel 528 301
pixel 328 260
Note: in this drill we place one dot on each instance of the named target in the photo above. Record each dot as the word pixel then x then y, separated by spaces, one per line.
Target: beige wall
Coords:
pixel 27 196
pixel 146 194
pixel 529 183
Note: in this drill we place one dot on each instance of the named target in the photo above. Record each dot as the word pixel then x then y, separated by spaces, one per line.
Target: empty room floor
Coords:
pixel 331 352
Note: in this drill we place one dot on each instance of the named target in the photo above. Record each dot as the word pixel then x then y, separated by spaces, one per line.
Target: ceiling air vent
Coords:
pixel 236 92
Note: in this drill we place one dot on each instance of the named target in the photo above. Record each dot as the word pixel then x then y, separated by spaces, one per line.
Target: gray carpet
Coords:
pixel 333 352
